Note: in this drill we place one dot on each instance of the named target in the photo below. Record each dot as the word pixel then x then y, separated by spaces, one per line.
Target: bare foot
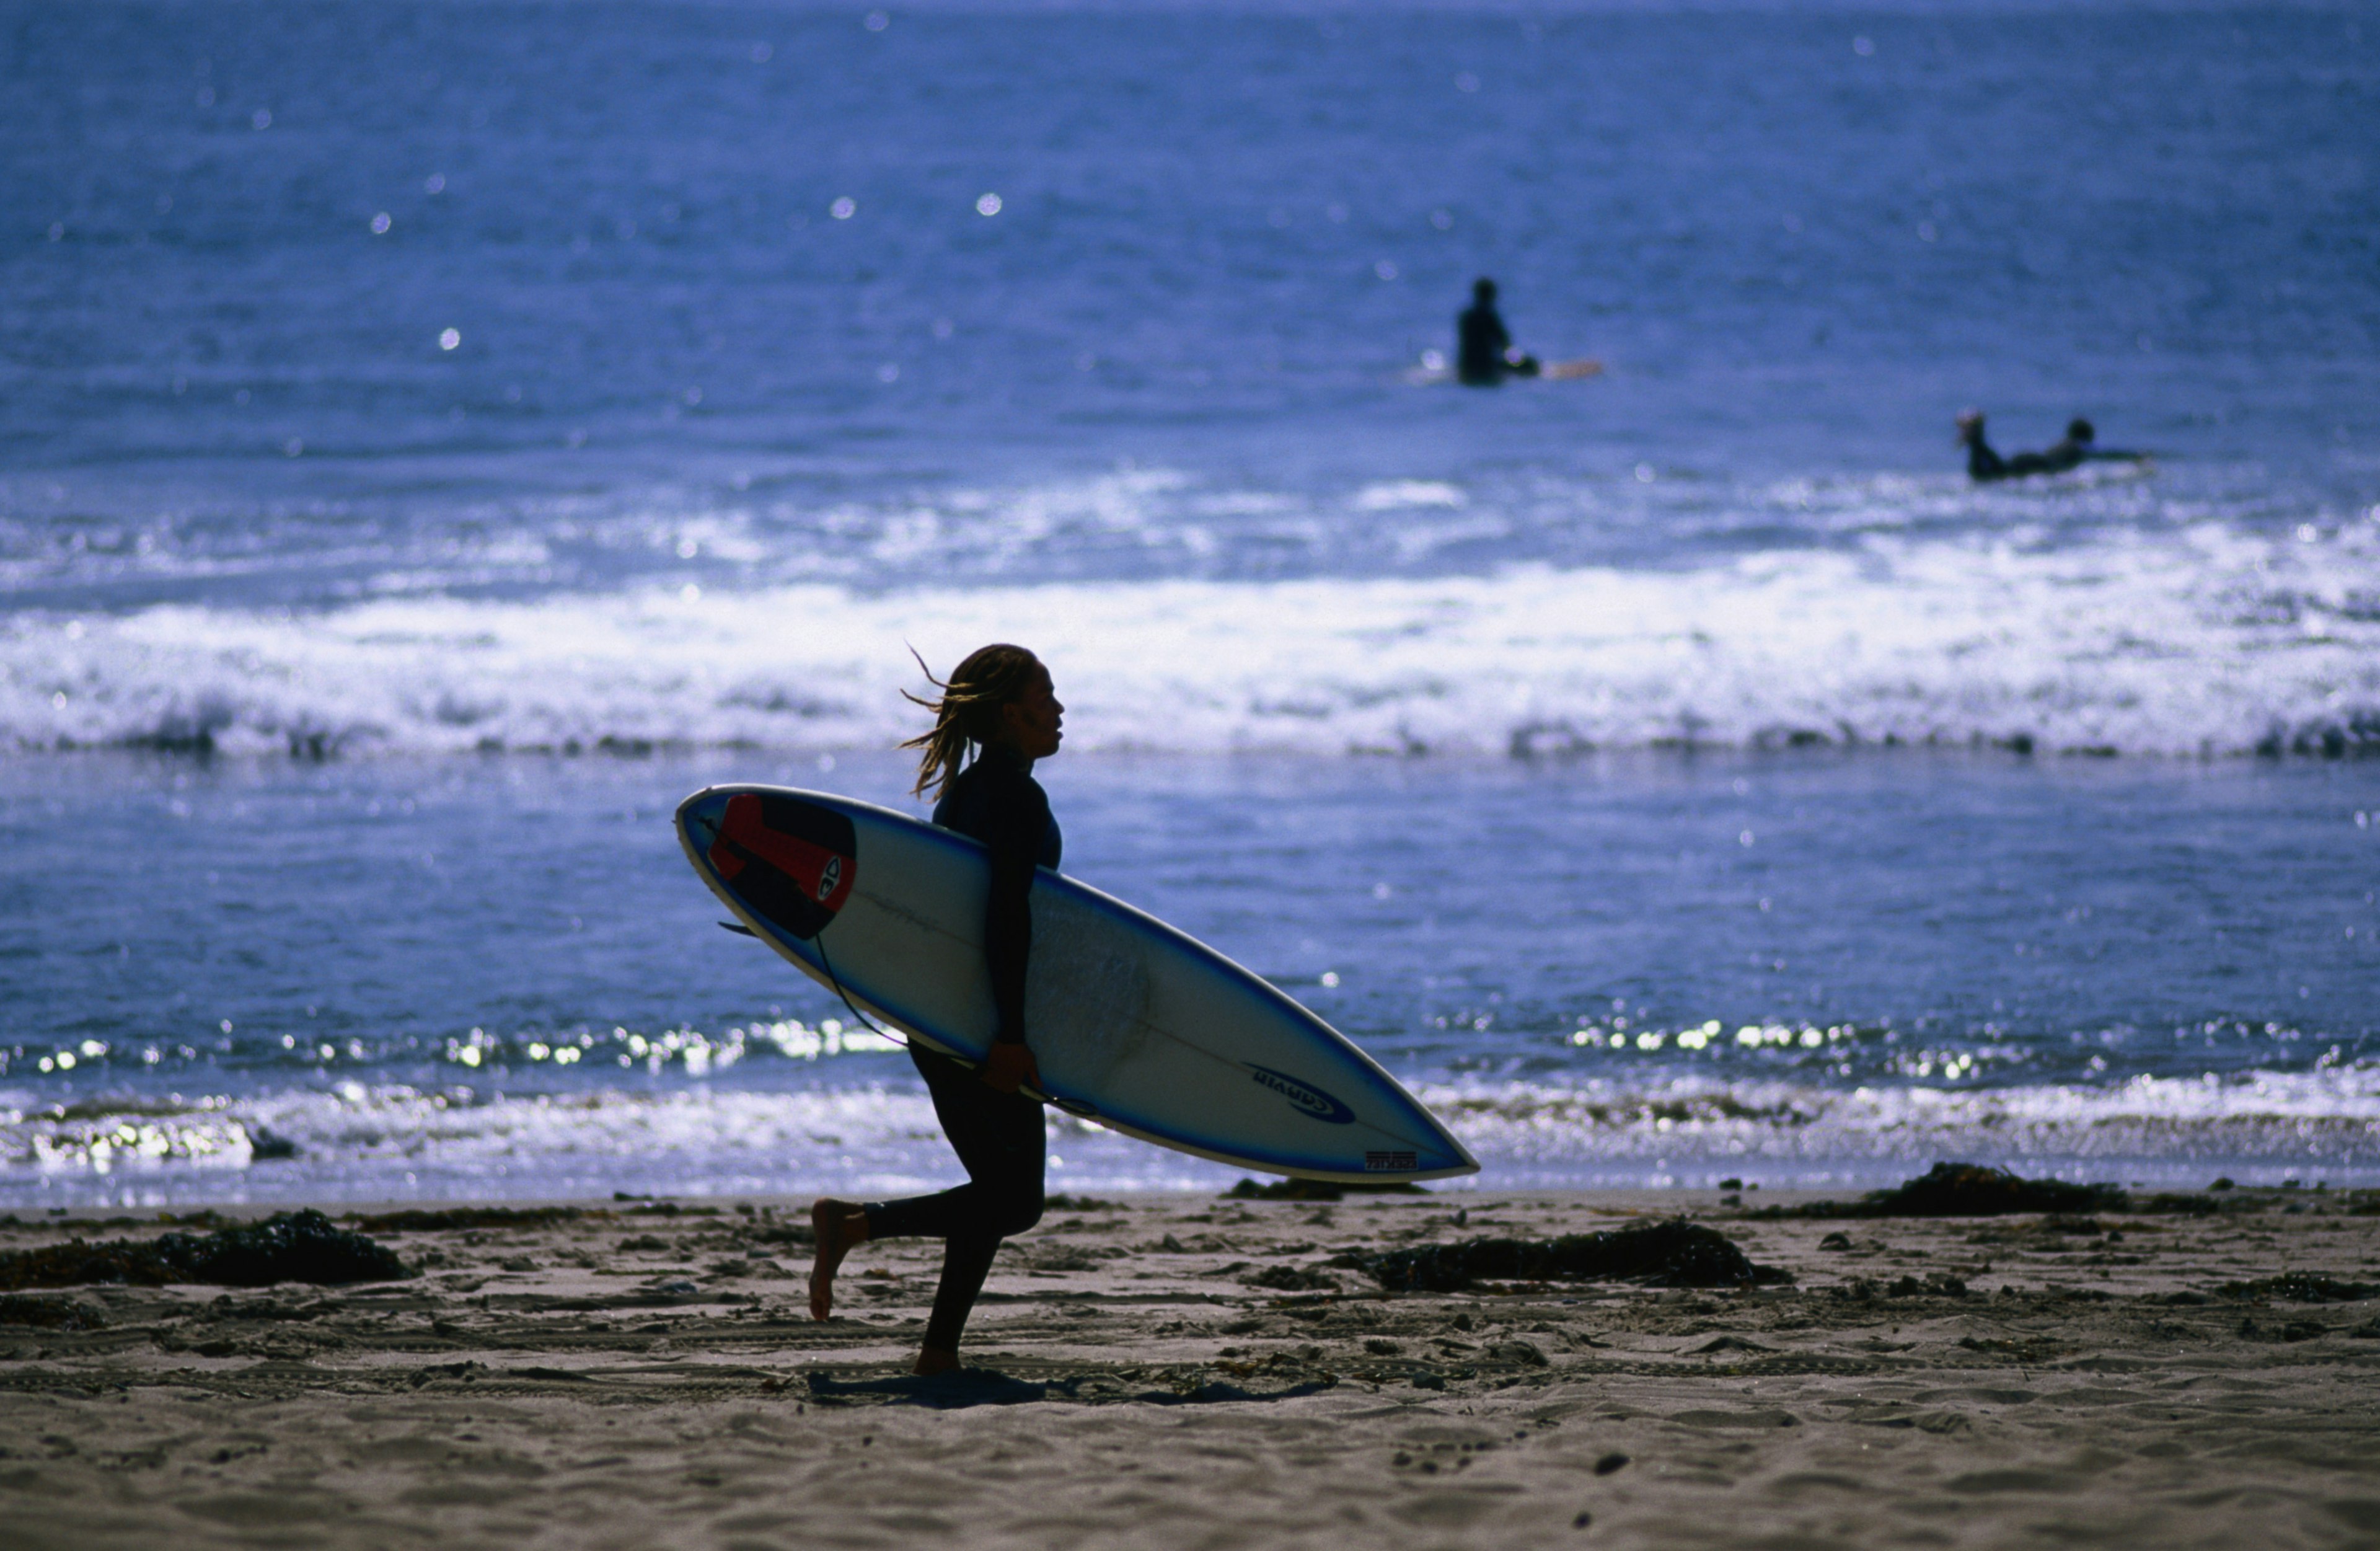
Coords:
pixel 837 1226
pixel 934 1359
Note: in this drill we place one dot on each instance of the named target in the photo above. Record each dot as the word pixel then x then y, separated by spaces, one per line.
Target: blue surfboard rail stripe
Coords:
pixel 1389 1095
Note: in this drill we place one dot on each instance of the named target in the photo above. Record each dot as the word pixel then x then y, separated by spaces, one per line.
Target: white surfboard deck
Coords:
pixel 1159 1036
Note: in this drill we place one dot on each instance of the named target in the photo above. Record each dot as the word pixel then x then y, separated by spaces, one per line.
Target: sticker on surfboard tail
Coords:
pixel 792 861
pixel 1304 1097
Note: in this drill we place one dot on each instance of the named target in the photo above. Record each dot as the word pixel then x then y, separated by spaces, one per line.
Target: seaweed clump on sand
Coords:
pixel 450 1218
pixel 1674 1255
pixel 1962 1189
pixel 2302 1287
pixel 51 1313
pixel 287 1247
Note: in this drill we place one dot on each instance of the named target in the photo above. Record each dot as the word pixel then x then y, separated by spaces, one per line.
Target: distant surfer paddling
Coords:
pixel 1986 466
pixel 1483 346
pixel 996 715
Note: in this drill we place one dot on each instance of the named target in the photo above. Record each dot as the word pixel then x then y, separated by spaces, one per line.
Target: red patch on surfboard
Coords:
pixel 792 861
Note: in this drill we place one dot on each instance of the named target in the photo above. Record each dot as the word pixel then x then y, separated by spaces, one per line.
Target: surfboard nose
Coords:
pixel 789 862
pixel 702 811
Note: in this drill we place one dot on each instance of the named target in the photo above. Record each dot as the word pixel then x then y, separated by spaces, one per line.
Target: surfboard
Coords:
pixel 1134 1025
pixel 1427 375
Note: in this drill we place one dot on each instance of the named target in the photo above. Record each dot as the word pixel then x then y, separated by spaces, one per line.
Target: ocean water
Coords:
pixel 435 437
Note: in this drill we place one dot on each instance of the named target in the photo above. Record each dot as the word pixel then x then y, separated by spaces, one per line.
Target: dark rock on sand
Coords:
pixel 1960 1190
pixel 288 1247
pixel 1658 1254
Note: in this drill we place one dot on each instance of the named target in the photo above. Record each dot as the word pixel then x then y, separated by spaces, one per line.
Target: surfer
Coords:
pixel 1484 354
pixel 1984 465
pixel 996 715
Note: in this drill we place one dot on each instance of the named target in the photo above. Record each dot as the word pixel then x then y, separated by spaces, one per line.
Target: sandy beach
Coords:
pixel 641 1374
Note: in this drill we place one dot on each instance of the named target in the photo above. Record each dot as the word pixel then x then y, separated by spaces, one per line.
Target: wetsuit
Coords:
pixel 999 1137
pixel 1984 465
pixel 1481 340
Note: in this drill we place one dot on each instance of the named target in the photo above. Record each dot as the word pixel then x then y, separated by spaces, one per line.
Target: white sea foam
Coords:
pixel 1398 494
pixel 2329 1117
pixel 2198 640
pixel 355 1142
pixel 395 1143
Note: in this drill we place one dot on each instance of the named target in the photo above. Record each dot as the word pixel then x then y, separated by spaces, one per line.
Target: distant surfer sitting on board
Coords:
pixel 999 705
pixel 1484 354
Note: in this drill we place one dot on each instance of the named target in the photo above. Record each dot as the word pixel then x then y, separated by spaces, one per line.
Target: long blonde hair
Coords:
pixel 966 713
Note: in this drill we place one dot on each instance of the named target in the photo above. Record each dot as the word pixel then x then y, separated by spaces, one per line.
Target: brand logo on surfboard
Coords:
pixel 791 862
pixel 1307 1098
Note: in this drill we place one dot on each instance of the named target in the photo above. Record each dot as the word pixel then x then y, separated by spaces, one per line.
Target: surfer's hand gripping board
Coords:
pixel 1009 1066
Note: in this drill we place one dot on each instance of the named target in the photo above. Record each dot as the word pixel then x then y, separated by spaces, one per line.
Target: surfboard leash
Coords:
pixel 831 979
pixel 836 981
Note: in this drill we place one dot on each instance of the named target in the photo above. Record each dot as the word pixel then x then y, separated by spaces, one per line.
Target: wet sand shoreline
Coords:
pixel 1180 1369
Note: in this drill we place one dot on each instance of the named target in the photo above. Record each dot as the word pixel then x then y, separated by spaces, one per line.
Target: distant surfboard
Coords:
pixel 1433 371
pixel 1132 1023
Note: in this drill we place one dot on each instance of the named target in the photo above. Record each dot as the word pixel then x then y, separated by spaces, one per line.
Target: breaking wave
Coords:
pixel 2200 641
